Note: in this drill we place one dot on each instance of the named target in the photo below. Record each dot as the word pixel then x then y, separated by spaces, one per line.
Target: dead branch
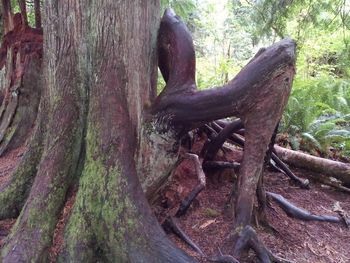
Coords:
pixel 304 183
pixel 338 170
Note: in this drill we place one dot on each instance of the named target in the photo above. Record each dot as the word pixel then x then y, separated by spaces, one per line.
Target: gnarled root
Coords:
pixel 171 224
pixel 298 213
pixel 248 239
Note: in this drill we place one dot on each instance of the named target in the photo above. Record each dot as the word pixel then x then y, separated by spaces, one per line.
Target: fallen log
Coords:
pixel 338 170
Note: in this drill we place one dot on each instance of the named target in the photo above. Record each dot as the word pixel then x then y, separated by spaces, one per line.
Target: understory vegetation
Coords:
pixel 228 32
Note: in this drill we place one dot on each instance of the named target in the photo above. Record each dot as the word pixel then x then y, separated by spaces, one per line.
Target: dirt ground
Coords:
pixel 207 224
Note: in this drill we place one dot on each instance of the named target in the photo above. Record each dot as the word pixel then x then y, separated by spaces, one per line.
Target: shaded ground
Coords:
pixel 207 224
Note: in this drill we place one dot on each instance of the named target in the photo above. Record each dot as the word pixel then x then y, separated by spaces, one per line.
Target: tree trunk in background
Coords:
pixel 23 8
pixel 37 13
pixel 100 70
pixel 7 16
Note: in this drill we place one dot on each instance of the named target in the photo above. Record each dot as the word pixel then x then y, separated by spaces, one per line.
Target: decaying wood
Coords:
pixel 326 180
pixel 185 204
pixel 338 170
pixel 21 60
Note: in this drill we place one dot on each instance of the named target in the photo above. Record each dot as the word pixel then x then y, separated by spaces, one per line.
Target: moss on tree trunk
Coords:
pixel 97 87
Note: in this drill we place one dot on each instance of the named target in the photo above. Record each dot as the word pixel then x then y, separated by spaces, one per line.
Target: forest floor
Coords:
pixel 207 224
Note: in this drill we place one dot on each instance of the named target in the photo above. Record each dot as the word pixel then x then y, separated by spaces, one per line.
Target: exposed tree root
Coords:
pixel 221 258
pixel 303 183
pixel 259 109
pixel 257 115
pixel 270 146
pixel 172 224
pixel 298 213
pixel 248 239
pixel 262 201
pixel 219 140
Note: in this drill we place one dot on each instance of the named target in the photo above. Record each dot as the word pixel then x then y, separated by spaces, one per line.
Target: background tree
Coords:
pixel 76 48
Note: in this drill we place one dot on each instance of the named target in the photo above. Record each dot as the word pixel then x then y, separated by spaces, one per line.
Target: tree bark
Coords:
pixel 21 87
pixel 8 16
pixel 23 8
pixel 338 170
pixel 97 87
pixel 37 13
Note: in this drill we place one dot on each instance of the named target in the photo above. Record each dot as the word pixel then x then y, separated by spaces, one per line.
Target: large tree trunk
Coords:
pixel 97 87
